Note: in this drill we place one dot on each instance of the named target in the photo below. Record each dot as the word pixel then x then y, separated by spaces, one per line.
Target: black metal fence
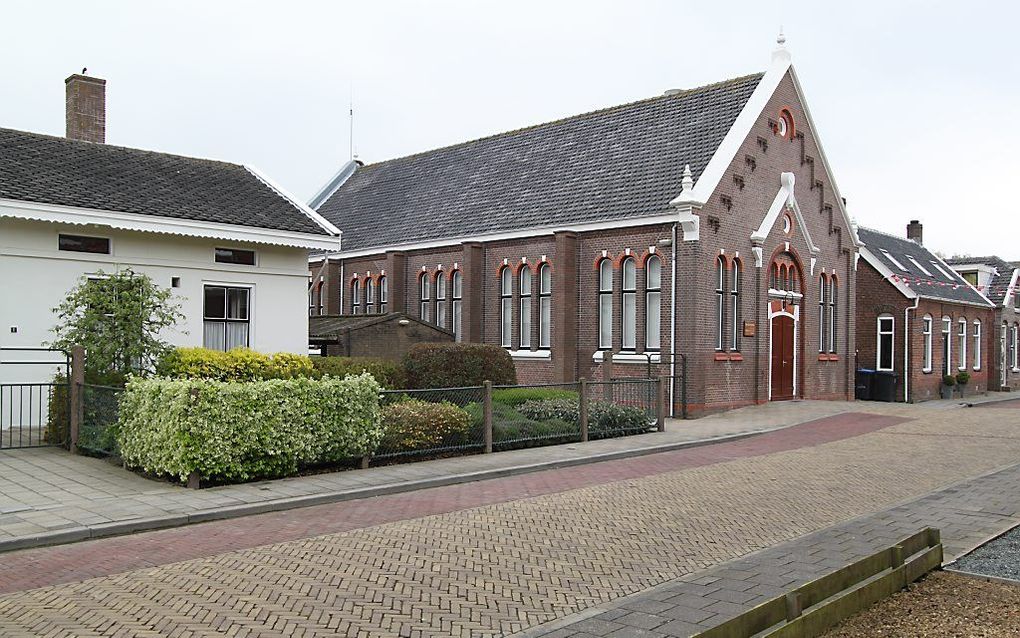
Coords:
pixel 100 409
pixel 36 412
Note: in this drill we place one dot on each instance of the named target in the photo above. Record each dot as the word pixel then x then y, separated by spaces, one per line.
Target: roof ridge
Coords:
pixel 606 109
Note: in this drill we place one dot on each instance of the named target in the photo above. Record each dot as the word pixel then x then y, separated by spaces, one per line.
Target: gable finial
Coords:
pixel 687 184
pixel 781 39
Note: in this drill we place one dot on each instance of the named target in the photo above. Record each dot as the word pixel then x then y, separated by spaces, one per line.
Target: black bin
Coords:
pixel 883 386
pixel 862 384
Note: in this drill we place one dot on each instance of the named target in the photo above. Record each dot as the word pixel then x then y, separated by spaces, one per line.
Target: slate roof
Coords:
pixel 999 284
pixel 616 163
pixel 940 282
pixel 330 327
pixel 55 170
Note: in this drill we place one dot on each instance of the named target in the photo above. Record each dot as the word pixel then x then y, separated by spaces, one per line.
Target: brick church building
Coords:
pixel 703 223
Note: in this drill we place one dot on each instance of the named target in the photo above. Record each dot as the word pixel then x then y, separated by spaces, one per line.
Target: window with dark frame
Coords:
pixel 83 244
pixel 237 256
pixel 226 317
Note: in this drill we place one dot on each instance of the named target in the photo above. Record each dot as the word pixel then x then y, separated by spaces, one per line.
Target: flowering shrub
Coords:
pixel 453 365
pixel 413 424
pixel 231 432
pixel 239 364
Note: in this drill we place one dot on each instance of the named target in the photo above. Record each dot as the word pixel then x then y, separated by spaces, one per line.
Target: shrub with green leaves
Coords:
pixel 516 396
pixel 388 373
pixel 413 424
pixel 604 418
pixel 233 432
pixel 239 364
pixel 454 365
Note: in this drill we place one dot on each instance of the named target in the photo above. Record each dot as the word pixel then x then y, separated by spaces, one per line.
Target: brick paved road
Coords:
pixel 501 567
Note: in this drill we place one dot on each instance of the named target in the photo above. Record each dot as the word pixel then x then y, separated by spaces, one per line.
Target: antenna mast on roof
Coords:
pixel 351 136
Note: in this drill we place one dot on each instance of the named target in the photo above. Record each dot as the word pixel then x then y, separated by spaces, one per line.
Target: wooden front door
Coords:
pixel 782 357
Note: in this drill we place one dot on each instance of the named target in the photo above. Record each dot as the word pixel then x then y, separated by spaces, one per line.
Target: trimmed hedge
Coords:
pixel 231 432
pixel 517 396
pixel 239 364
pixel 414 424
pixel 388 373
pixel 604 418
pixel 455 365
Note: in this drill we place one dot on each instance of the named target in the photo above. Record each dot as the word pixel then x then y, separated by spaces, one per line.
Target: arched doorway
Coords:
pixel 785 296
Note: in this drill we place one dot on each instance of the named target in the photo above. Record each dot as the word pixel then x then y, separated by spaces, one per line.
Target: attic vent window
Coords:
pixel 785 125
pixel 82 244
pixel 235 256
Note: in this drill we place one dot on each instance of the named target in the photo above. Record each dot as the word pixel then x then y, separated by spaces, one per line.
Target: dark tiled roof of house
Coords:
pixel 999 284
pixel 622 162
pixel 326 327
pixel 899 255
pixel 55 170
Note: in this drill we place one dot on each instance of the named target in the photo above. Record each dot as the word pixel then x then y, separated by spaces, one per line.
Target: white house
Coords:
pixel 231 244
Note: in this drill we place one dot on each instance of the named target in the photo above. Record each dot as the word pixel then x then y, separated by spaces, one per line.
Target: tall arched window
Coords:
pixel 355 297
pixel 605 305
pixel 506 306
pixel 833 313
pixel 425 296
pixel 720 305
pixel 735 272
pixel 653 302
pixel 823 324
pixel 628 327
pixel 926 330
pixel 977 344
pixel 369 296
pixel 457 283
pixel 524 292
pixel 318 297
pixel 961 337
pixel 384 294
pixel 544 306
pixel 311 300
pixel 440 299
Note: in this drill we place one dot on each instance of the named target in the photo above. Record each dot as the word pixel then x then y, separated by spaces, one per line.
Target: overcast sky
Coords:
pixel 916 102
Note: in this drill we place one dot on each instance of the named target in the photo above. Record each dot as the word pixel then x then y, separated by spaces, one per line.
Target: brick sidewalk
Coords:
pixel 513 564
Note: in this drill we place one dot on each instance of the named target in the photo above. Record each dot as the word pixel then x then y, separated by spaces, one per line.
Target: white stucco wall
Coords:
pixel 35 277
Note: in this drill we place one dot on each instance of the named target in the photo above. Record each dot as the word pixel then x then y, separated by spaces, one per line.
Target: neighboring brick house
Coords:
pixel 917 317
pixel 999 280
pixel 702 223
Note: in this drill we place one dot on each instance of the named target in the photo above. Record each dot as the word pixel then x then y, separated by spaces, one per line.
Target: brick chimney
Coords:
pixel 914 231
pixel 86 108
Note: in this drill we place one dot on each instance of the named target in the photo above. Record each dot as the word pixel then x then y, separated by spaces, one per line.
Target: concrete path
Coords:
pixel 48 496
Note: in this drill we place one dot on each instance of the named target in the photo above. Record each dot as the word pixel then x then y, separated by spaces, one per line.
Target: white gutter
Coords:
pixel 906 348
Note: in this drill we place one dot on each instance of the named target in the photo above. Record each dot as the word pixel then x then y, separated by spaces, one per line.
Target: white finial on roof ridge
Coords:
pixel 781 55
pixel 781 39
pixel 687 183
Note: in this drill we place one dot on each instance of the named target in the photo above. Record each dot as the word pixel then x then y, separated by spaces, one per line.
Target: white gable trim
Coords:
pixel 334 184
pixel 170 226
pixel 295 202
pixel 784 198
pixel 889 275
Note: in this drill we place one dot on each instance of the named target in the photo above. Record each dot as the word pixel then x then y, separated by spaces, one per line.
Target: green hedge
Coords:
pixel 413 424
pixel 388 373
pixel 454 365
pixel 604 418
pixel 231 432
pixel 239 364
pixel 517 396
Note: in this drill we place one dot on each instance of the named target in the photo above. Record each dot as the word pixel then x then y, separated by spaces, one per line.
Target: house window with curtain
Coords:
pixel 605 305
pixel 735 272
pixel 506 307
pixel 823 324
pixel 227 316
pixel 457 285
pixel 524 291
pixel 355 297
pixel 441 299
pixel 653 303
pixel 628 320
pixel 886 343
pixel 544 306
pixel 369 296
pixel 424 296
pixel 977 344
pixel 926 330
pixel 384 294
pixel 720 306
pixel 833 314
pixel 961 335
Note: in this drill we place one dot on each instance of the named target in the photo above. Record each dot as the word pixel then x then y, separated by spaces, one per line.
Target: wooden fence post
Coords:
pixel 583 409
pixel 487 417
pixel 75 387
pixel 660 405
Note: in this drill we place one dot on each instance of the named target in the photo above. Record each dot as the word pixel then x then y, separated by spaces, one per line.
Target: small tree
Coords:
pixel 118 318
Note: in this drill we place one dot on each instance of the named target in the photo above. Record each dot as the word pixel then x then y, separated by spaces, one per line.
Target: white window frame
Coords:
pixel 961 342
pixel 927 325
pixel 355 296
pixel 605 300
pixel 947 336
pixel 424 296
pixel 441 299
pixel 249 290
pixel 833 314
pixel 369 296
pixel 457 294
pixel 977 344
pixel 1016 348
pixel 892 343
pixel 736 274
pixel 544 306
pixel 720 305
pixel 653 305
pixel 384 294
pixel 823 323
pixel 524 308
pixel 506 306
pixel 628 311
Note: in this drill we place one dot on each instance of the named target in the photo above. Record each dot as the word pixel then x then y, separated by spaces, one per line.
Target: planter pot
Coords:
pixel 946 391
pixel 962 389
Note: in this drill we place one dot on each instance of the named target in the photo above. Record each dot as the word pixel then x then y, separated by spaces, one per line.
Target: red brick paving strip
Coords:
pixel 39 567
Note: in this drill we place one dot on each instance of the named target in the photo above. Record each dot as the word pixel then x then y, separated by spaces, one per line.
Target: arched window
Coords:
pixel 311 300
pixel 424 295
pixel 653 303
pixel 457 283
pixel 440 299
pixel 369 296
pixel 977 344
pixel 384 294
pixel 605 305
pixel 926 330
pixel 735 272
pixel 720 294
pixel 947 346
pixel 506 302
pixel 524 292
pixel 833 313
pixel 628 321
pixel 961 337
pixel 544 306
pixel 823 324
pixel 355 297
pixel 886 343
pixel 1016 346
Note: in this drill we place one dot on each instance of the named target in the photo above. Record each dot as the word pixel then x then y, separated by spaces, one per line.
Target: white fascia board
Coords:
pixel 58 214
pixel 295 202
pixel 786 195
pixel 535 231
pixel 883 270
pixel 742 127
pixel 334 184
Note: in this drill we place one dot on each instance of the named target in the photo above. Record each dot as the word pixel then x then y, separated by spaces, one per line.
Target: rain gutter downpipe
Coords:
pixel 906 348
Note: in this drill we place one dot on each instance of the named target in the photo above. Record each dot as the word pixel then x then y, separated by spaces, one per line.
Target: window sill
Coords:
pixel 923 371
pixel 728 356
pixel 828 357
pixel 627 357
pixel 530 354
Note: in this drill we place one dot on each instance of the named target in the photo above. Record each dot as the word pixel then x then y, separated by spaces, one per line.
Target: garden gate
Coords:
pixel 35 397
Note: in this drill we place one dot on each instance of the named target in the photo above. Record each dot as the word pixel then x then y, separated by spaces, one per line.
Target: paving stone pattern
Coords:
pixel 506 567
